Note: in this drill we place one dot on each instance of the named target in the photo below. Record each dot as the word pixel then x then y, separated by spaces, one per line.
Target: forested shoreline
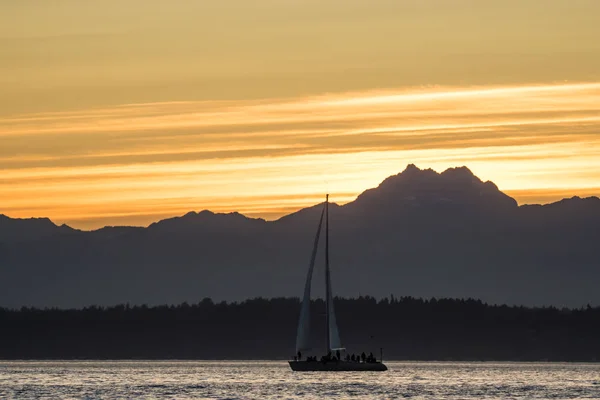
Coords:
pixel 406 328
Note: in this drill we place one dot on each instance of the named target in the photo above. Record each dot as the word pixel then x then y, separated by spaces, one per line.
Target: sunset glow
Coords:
pixel 133 164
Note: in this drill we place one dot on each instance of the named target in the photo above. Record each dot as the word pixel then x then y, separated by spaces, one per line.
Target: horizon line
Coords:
pixel 258 218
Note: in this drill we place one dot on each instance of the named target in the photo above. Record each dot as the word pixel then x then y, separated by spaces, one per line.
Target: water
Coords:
pixel 274 380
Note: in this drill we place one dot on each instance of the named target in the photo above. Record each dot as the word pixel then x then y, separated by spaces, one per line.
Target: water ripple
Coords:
pixel 271 380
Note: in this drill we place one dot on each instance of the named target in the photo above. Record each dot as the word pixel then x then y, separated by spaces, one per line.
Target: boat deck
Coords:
pixel 336 366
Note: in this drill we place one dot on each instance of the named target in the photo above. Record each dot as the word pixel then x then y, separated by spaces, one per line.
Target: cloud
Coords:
pixel 145 160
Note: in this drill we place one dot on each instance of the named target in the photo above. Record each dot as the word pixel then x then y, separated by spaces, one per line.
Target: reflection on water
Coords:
pixel 274 380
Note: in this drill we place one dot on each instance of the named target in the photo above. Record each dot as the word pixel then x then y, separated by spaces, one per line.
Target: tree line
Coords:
pixel 406 328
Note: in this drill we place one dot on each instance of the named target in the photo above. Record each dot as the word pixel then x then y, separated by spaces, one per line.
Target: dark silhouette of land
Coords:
pixel 419 233
pixel 407 328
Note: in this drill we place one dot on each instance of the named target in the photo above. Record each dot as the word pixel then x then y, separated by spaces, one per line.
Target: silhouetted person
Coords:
pixel 353 358
pixel 299 356
pixel 363 356
pixel 371 358
pixel 337 354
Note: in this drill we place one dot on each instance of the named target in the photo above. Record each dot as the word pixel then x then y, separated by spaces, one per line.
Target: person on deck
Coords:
pixel 299 356
pixel 337 354
pixel 363 356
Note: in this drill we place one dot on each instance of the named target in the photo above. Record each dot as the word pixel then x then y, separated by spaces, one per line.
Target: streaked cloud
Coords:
pixel 135 163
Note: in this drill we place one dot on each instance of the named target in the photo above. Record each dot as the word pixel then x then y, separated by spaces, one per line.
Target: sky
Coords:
pixel 125 112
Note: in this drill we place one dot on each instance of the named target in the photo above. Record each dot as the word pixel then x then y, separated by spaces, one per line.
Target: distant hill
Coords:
pixel 419 233
pixel 406 328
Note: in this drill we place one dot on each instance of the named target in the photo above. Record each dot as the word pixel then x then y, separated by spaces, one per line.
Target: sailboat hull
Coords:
pixel 336 366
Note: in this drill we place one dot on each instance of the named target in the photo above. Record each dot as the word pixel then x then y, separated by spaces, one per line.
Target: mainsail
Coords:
pixel 334 335
pixel 303 334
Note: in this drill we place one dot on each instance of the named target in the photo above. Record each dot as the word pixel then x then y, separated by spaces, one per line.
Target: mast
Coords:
pixel 327 277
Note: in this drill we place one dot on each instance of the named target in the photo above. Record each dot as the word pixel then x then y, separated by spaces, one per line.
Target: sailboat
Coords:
pixel 334 344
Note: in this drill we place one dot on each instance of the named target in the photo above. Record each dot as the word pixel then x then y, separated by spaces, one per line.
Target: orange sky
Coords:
pixel 124 115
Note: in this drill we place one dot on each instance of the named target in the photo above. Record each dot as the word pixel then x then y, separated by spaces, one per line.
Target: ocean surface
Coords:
pixel 275 380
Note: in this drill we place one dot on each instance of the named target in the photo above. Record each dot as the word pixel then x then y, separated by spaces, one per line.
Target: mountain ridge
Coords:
pixel 460 175
pixel 419 233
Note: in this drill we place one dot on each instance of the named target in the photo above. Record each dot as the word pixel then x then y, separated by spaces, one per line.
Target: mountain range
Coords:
pixel 419 233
